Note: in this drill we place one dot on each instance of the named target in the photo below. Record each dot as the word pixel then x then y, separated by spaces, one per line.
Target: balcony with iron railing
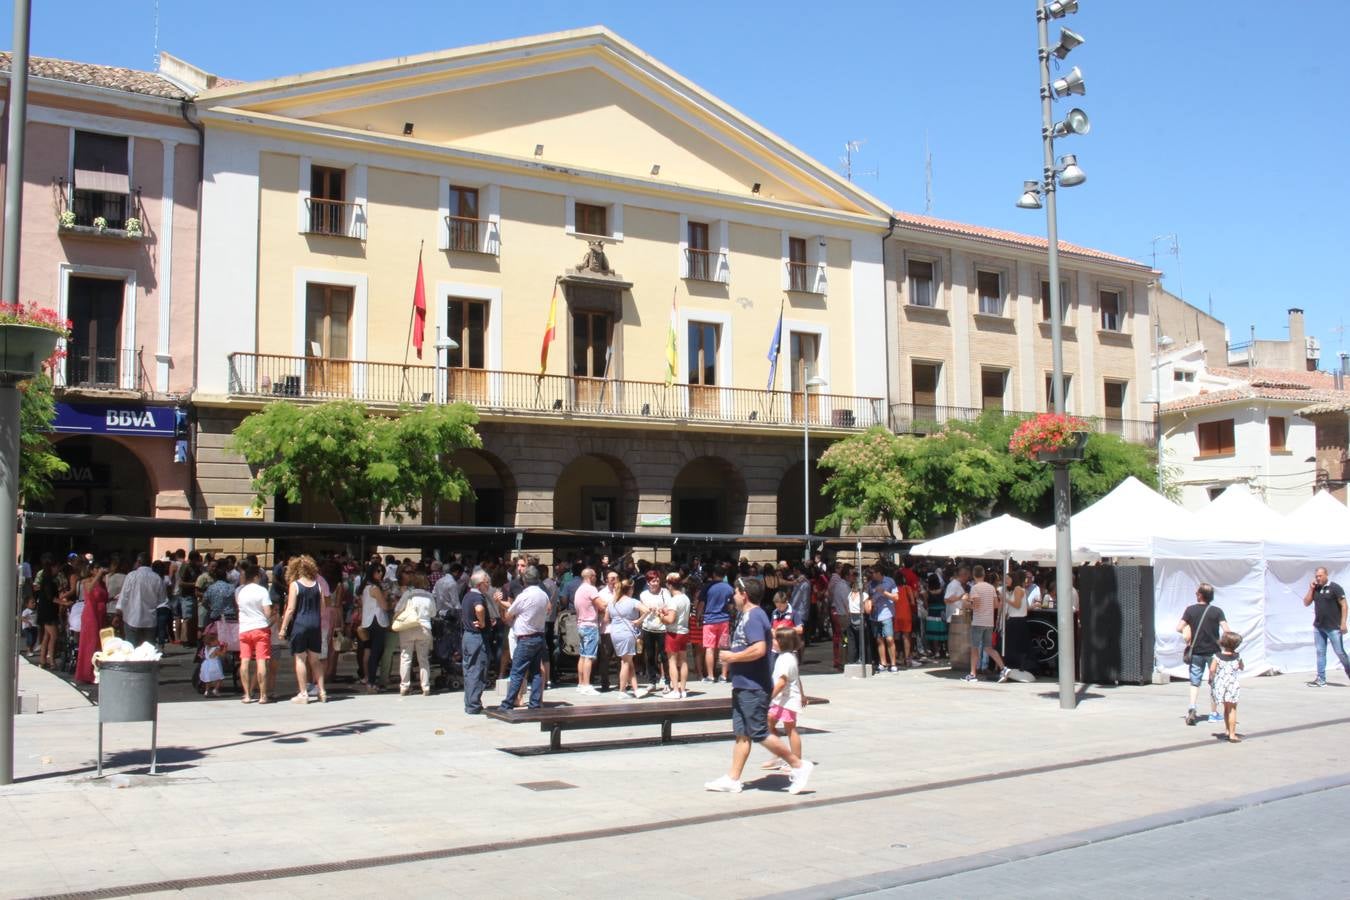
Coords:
pixel 918 418
pixel 705 265
pixel 465 234
pixel 104 370
pixel 337 218
pixel 107 214
pixel 801 277
pixel 272 376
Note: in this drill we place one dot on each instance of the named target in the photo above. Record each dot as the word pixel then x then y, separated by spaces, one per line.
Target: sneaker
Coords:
pixel 1191 717
pixel 707 679
pixel 724 785
pixel 630 695
pixel 671 695
pixel 894 669
pixel 1003 674
pixel 914 664
pixel 969 678
pixel 1318 682
pixel 1215 717
pixel 800 776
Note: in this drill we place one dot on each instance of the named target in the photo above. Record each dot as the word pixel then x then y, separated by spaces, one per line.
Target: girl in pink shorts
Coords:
pixel 787 699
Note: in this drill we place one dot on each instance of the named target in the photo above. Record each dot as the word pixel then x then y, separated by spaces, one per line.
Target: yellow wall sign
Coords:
pixel 238 512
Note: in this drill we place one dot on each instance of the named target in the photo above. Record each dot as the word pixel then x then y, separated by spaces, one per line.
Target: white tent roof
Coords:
pixel 1321 520
pixel 1125 521
pixel 1003 536
pixel 1235 515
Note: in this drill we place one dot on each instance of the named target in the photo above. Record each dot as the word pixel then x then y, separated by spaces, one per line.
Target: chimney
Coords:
pixel 1298 350
pixel 185 74
pixel 1345 363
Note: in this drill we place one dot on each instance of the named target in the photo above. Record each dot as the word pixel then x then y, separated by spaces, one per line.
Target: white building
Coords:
pixel 1223 425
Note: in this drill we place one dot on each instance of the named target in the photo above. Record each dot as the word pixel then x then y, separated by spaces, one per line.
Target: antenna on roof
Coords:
pixel 155 61
pixel 927 177
pixel 850 148
pixel 1174 248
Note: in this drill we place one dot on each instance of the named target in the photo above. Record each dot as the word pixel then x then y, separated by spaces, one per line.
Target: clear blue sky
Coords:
pixel 1223 123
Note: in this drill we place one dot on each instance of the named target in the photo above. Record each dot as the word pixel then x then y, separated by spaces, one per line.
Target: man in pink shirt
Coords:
pixel 984 603
pixel 588 630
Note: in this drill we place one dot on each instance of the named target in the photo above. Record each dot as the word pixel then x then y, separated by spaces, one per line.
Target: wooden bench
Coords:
pixel 557 719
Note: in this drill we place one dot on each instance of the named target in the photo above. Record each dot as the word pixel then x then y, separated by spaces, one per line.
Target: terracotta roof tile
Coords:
pixel 1258 392
pixel 118 79
pixel 1263 377
pixel 961 229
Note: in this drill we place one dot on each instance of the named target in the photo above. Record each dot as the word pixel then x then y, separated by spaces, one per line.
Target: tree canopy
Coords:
pixel 368 464
pixel 915 484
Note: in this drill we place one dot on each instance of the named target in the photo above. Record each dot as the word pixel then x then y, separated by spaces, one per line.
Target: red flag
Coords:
pixel 550 330
pixel 419 309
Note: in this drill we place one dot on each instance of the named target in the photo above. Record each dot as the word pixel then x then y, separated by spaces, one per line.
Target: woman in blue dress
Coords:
pixel 305 600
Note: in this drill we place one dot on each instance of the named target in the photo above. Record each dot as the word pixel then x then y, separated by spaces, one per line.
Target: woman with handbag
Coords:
pixel 375 622
pixel 412 623
pixel 302 621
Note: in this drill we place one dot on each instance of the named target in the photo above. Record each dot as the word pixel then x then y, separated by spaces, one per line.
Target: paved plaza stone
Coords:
pixel 917 773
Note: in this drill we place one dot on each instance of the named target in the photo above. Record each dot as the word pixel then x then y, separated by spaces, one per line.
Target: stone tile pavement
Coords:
pixel 378 794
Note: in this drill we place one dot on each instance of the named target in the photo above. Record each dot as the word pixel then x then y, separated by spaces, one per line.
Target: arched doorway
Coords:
pixel 105 478
pixel 791 506
pixel 494 488
pixel 595 493
pixel 708 497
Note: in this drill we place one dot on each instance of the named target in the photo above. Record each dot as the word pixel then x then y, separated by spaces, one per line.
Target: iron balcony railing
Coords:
pixel 122 369
pixel 801 276
pixel 91 205
pixel 705 265
pixel 919 418
pixel 315 378
pixel 335 217
pixel 465 233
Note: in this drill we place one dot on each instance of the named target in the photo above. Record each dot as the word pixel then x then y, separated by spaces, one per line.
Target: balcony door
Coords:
pixel 592 355
pixel 328 317
pixel 327 200
pixel 805 355
pixel 94 307
pixel 704 340
pixel 466 324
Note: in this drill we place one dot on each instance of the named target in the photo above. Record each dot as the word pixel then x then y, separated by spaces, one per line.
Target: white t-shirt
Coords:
pixel 1016 613
pixel 855 603
pixel 1034 596
pixel 253 601
pixel 680 603
pixel 653 602
pixel 954 589
pixel 786 667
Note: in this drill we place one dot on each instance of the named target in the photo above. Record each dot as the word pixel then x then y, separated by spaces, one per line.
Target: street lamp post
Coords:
pixel 813 381
pixel 9 396
pixel 1067 174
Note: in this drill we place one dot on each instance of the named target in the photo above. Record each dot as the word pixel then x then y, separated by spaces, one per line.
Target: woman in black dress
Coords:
pixel 303 616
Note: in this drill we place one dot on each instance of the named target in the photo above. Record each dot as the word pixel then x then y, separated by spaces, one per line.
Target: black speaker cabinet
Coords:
pixel 1116 612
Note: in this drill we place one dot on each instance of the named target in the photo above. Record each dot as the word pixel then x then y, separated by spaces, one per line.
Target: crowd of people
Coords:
pixel 635 627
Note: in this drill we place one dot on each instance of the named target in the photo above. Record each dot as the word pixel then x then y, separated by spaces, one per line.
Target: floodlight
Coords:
pixel 1031 195
pixel 1069 174
pixel 1058 9
pixel 1067 41
pixel 1076 122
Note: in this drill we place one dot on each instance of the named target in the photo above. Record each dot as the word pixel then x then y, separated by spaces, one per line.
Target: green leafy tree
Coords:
pixel 38 462
pixel 918 484
pixel 369 465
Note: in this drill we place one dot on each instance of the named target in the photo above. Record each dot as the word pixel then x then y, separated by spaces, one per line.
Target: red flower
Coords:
pixel 1047 431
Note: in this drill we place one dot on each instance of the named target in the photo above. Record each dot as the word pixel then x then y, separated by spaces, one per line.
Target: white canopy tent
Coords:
pixel 1123 523
pixel 1005 537
pixel 1260 564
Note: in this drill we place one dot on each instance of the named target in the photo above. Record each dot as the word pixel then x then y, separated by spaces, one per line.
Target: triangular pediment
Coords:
pixel 583 100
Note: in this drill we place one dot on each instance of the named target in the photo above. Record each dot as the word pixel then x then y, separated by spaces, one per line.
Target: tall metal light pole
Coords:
pixel 9 396
pixel 813 381
pixel 1067 175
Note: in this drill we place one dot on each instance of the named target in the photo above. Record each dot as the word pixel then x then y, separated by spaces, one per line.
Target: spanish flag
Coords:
pixel 672 354
pixel 550 330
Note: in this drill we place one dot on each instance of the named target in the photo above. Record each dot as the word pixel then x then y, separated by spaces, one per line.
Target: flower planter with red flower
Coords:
pixel 1050 437
pixel 28 337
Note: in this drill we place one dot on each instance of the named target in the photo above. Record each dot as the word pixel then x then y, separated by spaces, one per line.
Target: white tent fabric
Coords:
pixel 1005 537
pixel 1237 571
pixel 1317 521
pixel 994 537
pixel 1124 522
pixel 1235 515
pixel 1289 571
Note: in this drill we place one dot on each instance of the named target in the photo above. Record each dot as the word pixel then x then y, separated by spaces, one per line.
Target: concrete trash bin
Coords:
pixel 128 691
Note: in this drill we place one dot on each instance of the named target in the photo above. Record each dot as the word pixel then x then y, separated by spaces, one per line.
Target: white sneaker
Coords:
pixel 671 695
pixel 724 785
pixel 895 668
pixel 800 776
pixel 707 679
pixel 1003 674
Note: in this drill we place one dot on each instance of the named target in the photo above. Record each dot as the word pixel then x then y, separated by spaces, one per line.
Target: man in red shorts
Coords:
pixel 715 615
pixel 255 631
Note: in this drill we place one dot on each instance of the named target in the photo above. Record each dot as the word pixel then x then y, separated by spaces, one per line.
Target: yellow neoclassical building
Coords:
pixel 567 175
